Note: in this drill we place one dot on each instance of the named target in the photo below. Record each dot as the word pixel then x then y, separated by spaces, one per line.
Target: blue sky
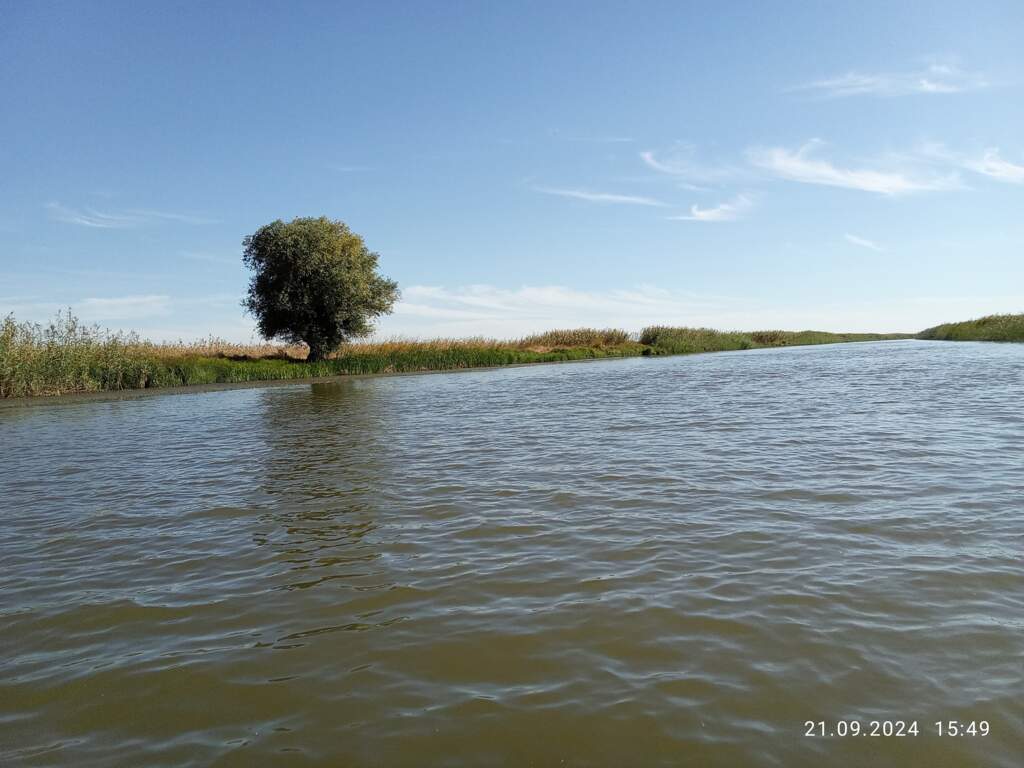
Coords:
pixel 520 166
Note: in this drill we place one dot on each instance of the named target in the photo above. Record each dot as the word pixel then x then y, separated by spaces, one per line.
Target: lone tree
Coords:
pixel 315 282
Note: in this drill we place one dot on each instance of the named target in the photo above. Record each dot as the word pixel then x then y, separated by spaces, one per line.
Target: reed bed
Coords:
pixel 989 328
pixel 664 340
pixel 577 337
pixel 213 346
pixel 541 342
pixel 66 356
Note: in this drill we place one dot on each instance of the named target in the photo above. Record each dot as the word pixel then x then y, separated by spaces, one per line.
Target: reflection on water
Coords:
pixel 321 509
pixel 642 562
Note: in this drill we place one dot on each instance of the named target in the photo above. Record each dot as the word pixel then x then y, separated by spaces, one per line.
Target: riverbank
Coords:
pixel 989 328
pixel 66 357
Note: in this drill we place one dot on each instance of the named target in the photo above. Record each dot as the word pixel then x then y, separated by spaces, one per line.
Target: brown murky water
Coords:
pixel 644 562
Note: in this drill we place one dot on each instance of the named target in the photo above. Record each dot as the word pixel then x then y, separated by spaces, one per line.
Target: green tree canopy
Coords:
pixel 314 281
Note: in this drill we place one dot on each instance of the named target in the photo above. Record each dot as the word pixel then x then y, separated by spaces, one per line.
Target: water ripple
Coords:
pixel 668 561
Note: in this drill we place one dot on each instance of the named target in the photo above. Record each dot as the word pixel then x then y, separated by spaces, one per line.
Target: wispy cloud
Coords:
pixel 126 219
pixel 91 310
pixel 800 166
pixel 681 162
pixel 90 218
pixel 432 311
pixel 723 212
pixel 123 307
pixel 935 78
pixel 601 197
pixel 476 309
pixel 992 165
pixel 156 317
pixel 863 242
pixel 988 162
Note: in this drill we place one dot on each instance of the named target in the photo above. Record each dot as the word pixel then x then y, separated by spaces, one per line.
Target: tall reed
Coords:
pixel 66 356
pixel 665 340
pixel 989 328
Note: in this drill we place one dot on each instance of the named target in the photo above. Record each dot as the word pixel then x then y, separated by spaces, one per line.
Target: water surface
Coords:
pixel 672 561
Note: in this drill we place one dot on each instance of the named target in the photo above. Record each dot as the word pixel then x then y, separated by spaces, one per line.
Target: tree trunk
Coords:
pixel 316 354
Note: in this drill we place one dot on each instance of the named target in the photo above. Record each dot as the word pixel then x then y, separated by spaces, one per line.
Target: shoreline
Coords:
pixel 999 328
pixel 114 395
pixel 66 358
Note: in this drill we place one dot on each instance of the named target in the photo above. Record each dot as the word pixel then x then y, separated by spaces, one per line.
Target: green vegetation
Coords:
pixel 680 341
pixel 990 328
pixel 66 356
pixel 314 282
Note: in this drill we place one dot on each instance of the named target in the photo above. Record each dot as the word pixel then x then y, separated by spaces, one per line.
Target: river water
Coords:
pixel 671 561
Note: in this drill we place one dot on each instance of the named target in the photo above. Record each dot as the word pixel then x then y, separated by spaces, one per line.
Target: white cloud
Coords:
pixel 601 197
pixel 800 166
pixel 89 309
pixel 486 310
pixel 988 163
pixel 863 242
pixel 723 212
pixel 153 317
pixel 122 308
pixel 29 308
pixel 680 161
pixel 126 219
pixel 933 79
pixel 90 218
pixel 992 165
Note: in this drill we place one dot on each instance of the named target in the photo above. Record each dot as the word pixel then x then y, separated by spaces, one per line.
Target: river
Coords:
pixel 655 561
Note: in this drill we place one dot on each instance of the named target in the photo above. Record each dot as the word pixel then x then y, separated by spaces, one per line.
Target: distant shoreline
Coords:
pixel 990 328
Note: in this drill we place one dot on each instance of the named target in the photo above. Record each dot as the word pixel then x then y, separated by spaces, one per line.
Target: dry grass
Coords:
pixel 542 342
pixel 215 347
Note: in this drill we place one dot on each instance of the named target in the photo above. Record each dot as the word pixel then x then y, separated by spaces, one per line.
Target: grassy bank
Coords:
pixel 67 357
pixel 990 328
pixel 662 340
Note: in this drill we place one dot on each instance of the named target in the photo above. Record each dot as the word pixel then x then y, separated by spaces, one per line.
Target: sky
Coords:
pixel 519 166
